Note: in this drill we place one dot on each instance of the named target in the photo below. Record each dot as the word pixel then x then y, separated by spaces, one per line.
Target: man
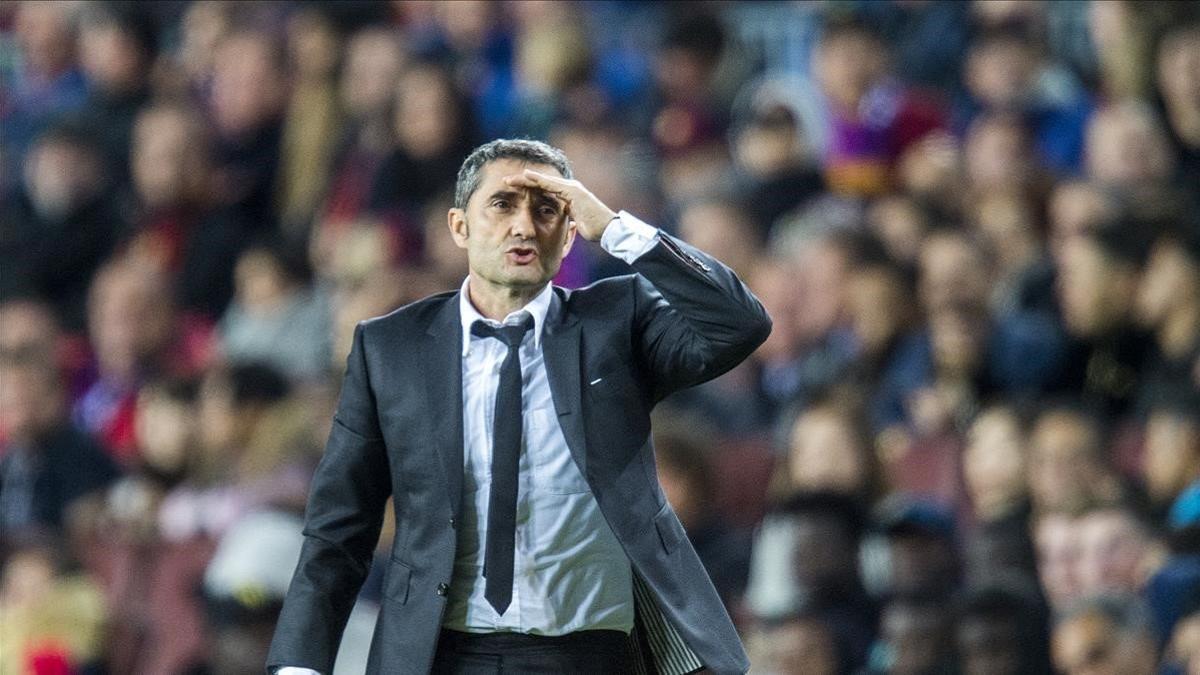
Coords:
pixel 558 553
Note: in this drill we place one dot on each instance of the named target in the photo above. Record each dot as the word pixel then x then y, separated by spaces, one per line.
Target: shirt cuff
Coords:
pixel 293 670
pixel 628 238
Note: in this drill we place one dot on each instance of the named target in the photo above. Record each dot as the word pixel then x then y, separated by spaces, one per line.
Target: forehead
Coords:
pixel 491 177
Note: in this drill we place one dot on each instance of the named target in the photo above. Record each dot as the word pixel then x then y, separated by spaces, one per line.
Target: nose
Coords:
pixel 522 223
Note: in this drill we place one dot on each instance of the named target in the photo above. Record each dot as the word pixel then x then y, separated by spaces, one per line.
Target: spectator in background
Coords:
pixel 916 637
pixel 1178 79
pixel 1127 146
pixel 1168 302
pixel 62 225
pixel 45 83
pixel 54 618
pixel 1105 635
pixel 118 43
pixel 872 119
pixel 1172 446
pixel 1001 629
pixel 46 463
pixel 275 317
pixel 181 230
pixel 1097 289
pixel 922 549
pixel 800 645
pixel 686 473
pixel 1004 74
pixel 1117 552
pixel 1059 548
pixel 247 101
pixel 828 451
pixel 995 468
pixel 1067 461
pixel 312 121
pixel 131 323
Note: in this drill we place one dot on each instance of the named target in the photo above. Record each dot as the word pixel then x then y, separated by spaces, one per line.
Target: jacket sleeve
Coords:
pixel 693 318
pixel 342 522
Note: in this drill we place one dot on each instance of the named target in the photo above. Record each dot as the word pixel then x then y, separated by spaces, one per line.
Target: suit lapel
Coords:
pixel 442 366
pixel 560 350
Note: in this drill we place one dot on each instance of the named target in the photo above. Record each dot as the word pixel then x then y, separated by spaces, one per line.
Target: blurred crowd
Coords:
pixel 971 444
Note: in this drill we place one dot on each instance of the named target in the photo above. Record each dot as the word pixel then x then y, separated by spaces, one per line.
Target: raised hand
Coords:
pixel 590 214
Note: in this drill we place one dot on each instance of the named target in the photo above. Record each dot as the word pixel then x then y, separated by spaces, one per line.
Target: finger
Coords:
pixel 545 181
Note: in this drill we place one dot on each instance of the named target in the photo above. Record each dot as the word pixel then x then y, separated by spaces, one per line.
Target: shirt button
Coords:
pixel 442 589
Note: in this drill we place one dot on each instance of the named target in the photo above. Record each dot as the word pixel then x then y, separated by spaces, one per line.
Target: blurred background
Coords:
pixel 970 445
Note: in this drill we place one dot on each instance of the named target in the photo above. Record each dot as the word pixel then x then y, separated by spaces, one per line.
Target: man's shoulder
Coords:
pixel 415 316
pixel 604 294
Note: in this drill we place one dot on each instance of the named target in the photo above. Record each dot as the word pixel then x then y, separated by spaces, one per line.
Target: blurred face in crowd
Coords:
pixel 110 56
pixel 31 401
pixel 248 88
pixel 204 24
pixel 823 268
pixel 372 66
pixel 958 336
pixel 43 31
pixel 773 282
pixel 427 118
pixel 952 273
pixel 1113 549
pixel 169 157
pixel 1059 548
pixel 60 176
pixel 515 238
pixel 994 463
pixel 917 636
pixel 998 155
pixel 1091 644
pixel 826 453
pixel 878 307
pixel 900 224
pixel 1007 224
pixel 999 72
pixel 989 645
pixel 1126 146
pixel 129 319
pixel 1075 209
pixel 313 46
pixel 797 647
pixel 770 144
pixel 28 326
pixel 1065 467
pixel 847 66
pixel 719 226
pixel 1096 291
pixel 1184 648
pixel 1178 74
pixel 1172 454
pixel 826 558
pixel 164 430
pixel 922 563
pixel 1170 284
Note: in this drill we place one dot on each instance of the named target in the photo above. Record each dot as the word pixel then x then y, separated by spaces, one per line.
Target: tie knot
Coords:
pixel 509 334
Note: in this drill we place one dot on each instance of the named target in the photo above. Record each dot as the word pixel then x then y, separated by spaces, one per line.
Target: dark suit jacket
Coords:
pixel 612 350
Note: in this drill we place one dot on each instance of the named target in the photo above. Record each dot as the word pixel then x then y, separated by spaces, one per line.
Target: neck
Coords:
pixel 496 302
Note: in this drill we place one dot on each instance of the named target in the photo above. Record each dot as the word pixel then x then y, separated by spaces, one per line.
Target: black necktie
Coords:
pixel 506 453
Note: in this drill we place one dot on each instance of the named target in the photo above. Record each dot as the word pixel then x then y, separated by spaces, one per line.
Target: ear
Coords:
pixel 570 239
pixel 456 219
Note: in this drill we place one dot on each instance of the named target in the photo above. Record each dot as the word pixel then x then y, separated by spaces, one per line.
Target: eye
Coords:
pixel 548 211
pixel 501 203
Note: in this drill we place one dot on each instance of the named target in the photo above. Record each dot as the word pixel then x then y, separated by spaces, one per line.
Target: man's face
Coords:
pixel 514 237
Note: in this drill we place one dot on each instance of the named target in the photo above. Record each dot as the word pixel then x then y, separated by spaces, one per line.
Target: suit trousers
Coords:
pixel 588 652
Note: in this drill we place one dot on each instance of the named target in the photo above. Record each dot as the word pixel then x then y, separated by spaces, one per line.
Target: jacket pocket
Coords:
pixel 395 585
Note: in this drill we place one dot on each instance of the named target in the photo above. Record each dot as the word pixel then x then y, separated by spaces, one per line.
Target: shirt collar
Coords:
pixel 538 307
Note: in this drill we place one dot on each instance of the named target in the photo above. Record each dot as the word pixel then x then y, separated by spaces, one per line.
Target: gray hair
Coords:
pixel 521 149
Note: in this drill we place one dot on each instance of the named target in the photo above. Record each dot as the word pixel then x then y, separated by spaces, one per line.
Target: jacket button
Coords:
pixel 453 523
pixel 442 589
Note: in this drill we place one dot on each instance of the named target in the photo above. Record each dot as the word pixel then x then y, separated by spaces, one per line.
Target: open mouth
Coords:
pixel 521 255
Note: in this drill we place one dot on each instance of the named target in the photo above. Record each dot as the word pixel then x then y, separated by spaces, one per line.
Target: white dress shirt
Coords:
pixel 569 571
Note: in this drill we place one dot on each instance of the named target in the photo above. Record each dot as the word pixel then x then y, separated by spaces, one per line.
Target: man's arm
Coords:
pixel 341 527
pixel 694 318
